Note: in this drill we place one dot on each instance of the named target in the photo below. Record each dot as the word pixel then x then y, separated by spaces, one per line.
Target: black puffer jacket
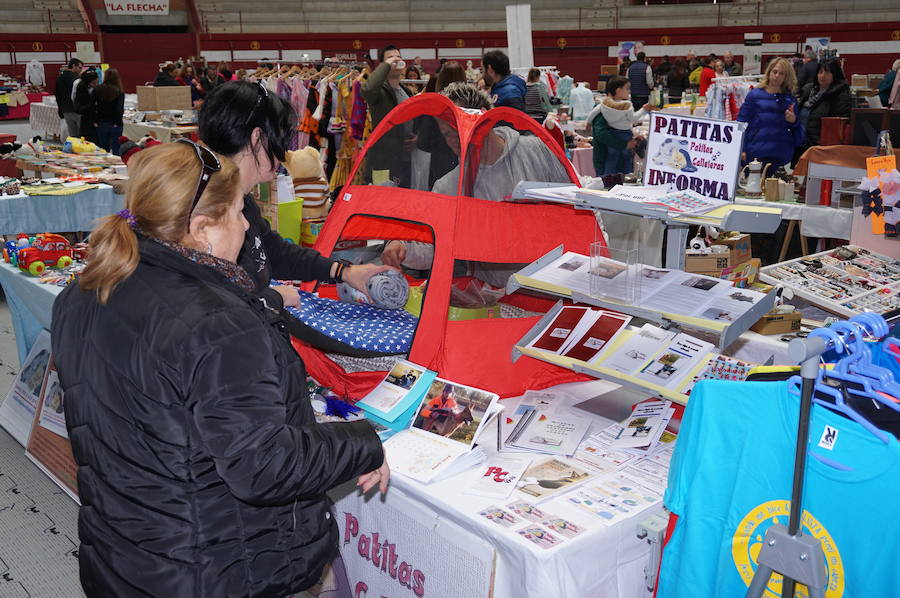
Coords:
pixel 834 102
pixel 202 472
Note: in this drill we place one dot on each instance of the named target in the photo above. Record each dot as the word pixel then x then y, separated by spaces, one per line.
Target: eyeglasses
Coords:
pixel 259 99
pixel 209 165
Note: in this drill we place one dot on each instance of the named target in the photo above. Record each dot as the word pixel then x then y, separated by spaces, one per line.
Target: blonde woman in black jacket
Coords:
pixel 201 470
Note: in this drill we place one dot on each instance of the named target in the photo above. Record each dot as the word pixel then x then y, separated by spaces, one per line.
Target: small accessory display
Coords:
pixel 127 215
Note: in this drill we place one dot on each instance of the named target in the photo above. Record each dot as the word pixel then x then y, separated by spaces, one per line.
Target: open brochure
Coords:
pixel 685 202
pixel 545 430
pixel 660 289
pixel 392 404
pixel 440 440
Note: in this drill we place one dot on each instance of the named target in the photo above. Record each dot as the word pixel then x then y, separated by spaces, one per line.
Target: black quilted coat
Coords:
pixel 202 472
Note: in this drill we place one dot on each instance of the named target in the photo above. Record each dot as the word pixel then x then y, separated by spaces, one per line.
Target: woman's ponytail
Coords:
pixel 113 256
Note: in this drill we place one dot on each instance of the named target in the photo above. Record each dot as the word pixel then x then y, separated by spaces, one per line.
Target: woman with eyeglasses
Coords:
pixel 253 127
pixel 201 469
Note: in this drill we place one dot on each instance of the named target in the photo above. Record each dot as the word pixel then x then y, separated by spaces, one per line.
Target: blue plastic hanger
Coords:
pixel 860 361
pixel 840 405
pixel 853 346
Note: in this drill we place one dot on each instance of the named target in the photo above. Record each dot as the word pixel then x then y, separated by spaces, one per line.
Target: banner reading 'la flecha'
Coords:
pixel 700 154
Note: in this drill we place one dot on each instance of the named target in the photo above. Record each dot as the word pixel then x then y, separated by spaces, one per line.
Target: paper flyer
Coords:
pixel 549 477
pixel 499 476
pixel 18 409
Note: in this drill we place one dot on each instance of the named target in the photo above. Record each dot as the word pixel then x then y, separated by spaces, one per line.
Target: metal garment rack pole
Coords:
pixel 797 557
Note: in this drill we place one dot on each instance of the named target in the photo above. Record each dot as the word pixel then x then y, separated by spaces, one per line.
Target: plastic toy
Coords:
pixel 47 250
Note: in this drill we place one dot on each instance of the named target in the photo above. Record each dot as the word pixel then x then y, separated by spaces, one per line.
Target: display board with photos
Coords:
pixel 846 281
pixel 655 294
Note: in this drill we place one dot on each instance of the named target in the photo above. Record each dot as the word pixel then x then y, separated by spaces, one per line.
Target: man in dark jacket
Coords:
pixel 65 105
pixel 383 92
pixel 806 74
pixel 507 89
pixel 641 77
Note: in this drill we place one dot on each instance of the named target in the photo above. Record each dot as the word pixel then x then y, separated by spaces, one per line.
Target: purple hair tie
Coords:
pixel 127 215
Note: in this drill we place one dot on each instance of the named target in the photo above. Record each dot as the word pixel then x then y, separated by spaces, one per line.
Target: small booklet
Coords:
pixel 553 338
pixel 671 365
pixel 551 432
pixel 549 477
pixel 644 426
pixel 499 476
pixel 393 402
pixel 637 350
pixel 440 440
pixel 510 421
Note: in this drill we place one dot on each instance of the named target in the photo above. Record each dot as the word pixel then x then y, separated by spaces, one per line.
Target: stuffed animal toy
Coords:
pixel 128 148
pixel 9 148
pixel 305 168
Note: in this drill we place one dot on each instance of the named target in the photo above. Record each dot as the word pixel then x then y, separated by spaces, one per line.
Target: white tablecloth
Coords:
pixel 603 561
pixel 45 119
pixel 815 220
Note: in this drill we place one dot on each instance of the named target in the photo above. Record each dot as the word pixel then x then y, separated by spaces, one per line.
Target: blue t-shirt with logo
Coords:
pixel 730 480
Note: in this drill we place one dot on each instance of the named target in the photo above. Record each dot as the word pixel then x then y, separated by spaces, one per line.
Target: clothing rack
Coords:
pixel 727 79
pixel 798 557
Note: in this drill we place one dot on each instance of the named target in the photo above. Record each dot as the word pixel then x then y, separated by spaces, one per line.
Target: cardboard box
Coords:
pixel 738 253
pixel 739 245
pixel 176 97
pixel 309 230
pixel 708 262
pixel 775 323
pixel 859 81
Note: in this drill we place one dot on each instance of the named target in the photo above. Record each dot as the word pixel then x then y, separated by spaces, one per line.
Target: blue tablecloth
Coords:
pixel 30 305
pixel 57 213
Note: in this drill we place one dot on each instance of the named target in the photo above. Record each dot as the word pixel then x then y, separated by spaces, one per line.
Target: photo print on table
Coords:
pixel 403 375
pixel 499 516
pixel 539 536
pixel 453 411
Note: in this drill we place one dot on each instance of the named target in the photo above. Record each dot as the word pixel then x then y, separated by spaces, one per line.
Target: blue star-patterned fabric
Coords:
pixel 367 327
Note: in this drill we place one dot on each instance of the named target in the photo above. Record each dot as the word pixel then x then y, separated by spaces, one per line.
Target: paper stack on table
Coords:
pixel 539 426
pixel 580 332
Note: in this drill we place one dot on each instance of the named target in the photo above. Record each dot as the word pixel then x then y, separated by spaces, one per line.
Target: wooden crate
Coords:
pixel 164 98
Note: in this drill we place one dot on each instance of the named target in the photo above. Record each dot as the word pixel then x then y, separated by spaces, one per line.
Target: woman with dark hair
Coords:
pixel 828 95
pixel 108 108
pixel 253 127
pixel 451 72
pixel 83 99
pixel 537 99
pixel 187 77
pixel 677 81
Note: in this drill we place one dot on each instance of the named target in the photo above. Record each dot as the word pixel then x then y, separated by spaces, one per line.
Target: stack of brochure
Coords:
pixel 391 405
pixel 644 427
pixel 440 441
pixel 580 332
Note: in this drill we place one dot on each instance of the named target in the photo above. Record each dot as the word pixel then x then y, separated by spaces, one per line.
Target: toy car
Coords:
pixel 47 250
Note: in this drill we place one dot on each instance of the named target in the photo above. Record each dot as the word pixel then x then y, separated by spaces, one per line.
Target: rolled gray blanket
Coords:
pixel 388 290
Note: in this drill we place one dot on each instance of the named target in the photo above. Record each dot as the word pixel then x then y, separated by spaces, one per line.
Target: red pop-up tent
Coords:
pixel 473 352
